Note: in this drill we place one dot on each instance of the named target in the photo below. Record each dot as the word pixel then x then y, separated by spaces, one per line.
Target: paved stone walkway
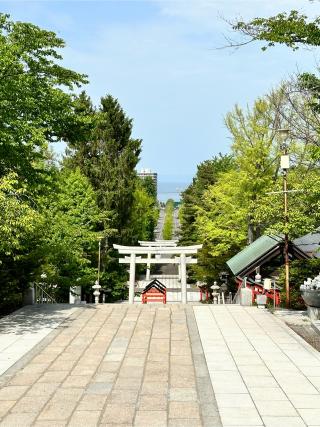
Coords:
pixel 155 365
pixel 21 331
pixel 261 371
pixel 115 364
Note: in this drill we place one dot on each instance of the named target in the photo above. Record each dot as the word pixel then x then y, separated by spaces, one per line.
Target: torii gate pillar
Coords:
pixel 132 277
pixel 183 276
pixel 148 266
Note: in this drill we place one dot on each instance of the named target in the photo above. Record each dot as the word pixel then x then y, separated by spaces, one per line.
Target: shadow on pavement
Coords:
pixel 34 317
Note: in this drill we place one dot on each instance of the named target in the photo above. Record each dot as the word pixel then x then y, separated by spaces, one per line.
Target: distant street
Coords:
pixel 159 228
pixel 176 224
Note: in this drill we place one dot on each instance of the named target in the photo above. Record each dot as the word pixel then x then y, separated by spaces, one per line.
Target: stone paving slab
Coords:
pixel 22 330
pixel 262 373
pixel 114 365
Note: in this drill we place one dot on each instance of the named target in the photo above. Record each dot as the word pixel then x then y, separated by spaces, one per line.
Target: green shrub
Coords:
pixel 299 271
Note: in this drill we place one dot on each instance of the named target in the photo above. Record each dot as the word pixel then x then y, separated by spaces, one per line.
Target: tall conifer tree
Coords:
pixel 107 154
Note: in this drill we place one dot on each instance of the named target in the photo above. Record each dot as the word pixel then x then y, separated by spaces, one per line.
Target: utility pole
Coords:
pixel 286 238
pixel 285 164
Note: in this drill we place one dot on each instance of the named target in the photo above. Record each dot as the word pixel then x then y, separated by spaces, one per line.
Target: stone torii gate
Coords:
pixel 175 255
pixel 157 244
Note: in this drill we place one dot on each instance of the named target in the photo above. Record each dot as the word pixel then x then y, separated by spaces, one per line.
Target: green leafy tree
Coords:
pixel 19 216
pixel 34 107
pixel 256 152
pixel 107 155
pixel 68 250
pixel 303 204
pixel 222 222
pixel 150 187
pixel 207 174
pixel 19 226
pixel 300 270
pixel 238 207
pixel 144 214
pixel 292 29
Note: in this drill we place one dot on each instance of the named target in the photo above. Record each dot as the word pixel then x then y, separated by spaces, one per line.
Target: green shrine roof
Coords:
pixel 260 250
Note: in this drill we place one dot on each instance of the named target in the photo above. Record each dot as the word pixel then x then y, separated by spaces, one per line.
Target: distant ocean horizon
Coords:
pixel 171 190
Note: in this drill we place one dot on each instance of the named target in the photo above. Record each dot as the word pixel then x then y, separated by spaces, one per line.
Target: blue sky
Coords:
pixel 159 58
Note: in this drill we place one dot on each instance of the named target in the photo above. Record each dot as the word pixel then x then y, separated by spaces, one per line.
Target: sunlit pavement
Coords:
pixel 115 364
pixel 261 371
pixel 155 365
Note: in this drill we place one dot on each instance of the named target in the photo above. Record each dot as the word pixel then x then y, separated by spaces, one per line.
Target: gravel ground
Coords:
pixel 309 334
pixel 300 323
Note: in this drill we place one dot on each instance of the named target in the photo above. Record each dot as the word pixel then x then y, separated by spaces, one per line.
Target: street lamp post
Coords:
pixel 285 164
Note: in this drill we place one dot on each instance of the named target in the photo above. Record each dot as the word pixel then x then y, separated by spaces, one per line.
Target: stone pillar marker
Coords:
pixel 29 296
pixel 183 273
pixel 245 296
pixel 132 277
pixel 75 295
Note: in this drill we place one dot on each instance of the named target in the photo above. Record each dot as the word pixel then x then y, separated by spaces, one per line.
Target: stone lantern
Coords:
pixel 215 294
pixel 96 288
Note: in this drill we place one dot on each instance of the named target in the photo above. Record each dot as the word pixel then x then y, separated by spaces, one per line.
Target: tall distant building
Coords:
pixel 148 172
